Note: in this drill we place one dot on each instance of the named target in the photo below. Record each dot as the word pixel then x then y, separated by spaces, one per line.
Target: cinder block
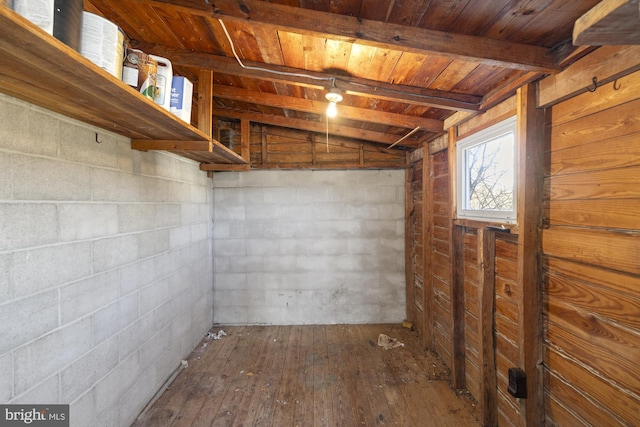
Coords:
pixel 63 180
pixel 6 184
pixel 83 410
pixel 230 247
pixel 115 317
pixel 330 211
pixel 6 286
pixel 200 231
pixel 262 246
pixel 86 221
pixel 136 217
pixel 38 269
pixel 109 389
pixel 134 335
pixel 27 129
pixel 81 298
pixel 179 236
pixel 135 276
pixel 227 179
pixel 167 215
pixel 308 194
pixel 199 194
pixel 50 353
pixel 168 311
pixel 6 377
pixel 114 186
pixel 78 144
pixel 153 189
pixel 135 398
pixel 381 194
pixel 279 263
pixel 27 224
pixel 230 280
pixel 392 211
pixel 114 252
pixel 327 246
pixel 153 242
pixel 364 211
pixel 44 392
pixel 154 295
pixel 84 372
pixel 158 344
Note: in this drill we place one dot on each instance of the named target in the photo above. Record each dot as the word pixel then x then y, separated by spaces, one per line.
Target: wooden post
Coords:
pixel 245 140
pixel 427 246
pixel 488 399
pixel 205 101
pixel 458 379
pixel 531 145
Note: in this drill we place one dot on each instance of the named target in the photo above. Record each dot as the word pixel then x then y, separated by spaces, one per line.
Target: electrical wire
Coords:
pixel 283 73
pixel 404 137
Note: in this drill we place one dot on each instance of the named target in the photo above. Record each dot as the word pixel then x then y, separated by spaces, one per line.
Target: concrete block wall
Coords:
pixel 105 266
pixel 309 247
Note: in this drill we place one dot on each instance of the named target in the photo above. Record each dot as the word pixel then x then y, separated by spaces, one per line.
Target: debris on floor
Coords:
pixel 408 325
pixel 217 336
pixel 386 342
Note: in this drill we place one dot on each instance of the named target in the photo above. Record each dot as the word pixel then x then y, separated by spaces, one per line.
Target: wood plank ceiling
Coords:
pixel 400 64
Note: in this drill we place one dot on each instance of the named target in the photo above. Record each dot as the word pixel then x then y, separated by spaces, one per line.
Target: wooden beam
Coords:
pixel 245 139
pixel 311 126
pixel 531 149
pixel 488 400
pixel 316 80
pixel 319 107
pixel 373 33
pixel 606 64
pixel 610 22
pixel 171 145
pixel 205 101
pixel 218 167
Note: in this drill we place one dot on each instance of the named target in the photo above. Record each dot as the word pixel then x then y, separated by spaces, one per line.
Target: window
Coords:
pixel 486 180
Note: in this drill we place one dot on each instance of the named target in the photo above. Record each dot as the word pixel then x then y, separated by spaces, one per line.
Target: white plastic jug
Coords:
pixel 163 83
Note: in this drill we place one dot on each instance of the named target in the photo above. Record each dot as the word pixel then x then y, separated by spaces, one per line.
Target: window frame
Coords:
pixel 486 135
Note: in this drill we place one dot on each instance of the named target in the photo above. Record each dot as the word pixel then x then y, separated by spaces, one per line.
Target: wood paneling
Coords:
pixel 591 250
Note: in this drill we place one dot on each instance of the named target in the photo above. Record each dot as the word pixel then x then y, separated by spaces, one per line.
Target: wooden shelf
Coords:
pixel 40 69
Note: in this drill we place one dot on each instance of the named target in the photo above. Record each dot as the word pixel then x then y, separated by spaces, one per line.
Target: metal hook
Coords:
pixel 97 140
pixel 595 84
pixel 616 86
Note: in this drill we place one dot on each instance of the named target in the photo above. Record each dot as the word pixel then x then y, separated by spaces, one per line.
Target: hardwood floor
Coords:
pixel 328 375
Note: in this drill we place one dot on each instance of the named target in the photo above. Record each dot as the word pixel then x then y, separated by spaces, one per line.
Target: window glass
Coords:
pixel 487 173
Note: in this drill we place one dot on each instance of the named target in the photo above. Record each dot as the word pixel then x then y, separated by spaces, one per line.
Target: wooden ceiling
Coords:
pixel 401 65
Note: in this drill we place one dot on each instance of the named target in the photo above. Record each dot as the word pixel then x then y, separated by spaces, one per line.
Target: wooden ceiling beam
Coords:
pixel 311 126
pixel 610 22
pixel 374 33
pixel 350 85
pixel 319 107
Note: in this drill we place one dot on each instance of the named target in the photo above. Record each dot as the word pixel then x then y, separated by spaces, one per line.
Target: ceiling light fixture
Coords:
pixel 333 96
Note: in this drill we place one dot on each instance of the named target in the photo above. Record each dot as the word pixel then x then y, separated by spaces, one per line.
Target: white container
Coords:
pixel 102 42
pixel 181 95
pixel 40 12
pixel 164 81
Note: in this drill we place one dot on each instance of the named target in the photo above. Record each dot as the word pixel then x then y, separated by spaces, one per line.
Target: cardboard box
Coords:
pixel 181 94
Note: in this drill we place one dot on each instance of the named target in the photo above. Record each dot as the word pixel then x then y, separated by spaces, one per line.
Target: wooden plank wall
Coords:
pixel 415 229
pixel 440 249
pixel 471 311
pixel 279 148
pixel 506 321
pixel 591 248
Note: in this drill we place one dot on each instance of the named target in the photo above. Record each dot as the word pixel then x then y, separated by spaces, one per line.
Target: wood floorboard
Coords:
pixel 319 375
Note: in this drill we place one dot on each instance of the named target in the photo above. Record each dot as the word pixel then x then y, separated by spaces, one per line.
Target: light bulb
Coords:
pixel 332 111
